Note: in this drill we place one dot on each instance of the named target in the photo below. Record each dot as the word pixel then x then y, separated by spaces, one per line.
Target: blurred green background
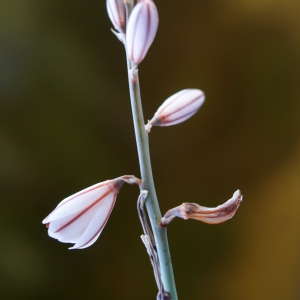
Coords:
pixel 66 124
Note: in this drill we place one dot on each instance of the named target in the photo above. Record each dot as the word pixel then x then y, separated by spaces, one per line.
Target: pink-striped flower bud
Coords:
pixel 207 215
pixel 117 13
pixel 80 218
pixel 177 108
pixel 141 30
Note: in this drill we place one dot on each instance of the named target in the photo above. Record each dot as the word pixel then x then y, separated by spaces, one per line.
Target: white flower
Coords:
pixel 117 13
pixel 141 30
pixel 177 108
pixel 80 218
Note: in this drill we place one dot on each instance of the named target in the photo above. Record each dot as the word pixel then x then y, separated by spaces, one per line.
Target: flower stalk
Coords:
pixel 160 234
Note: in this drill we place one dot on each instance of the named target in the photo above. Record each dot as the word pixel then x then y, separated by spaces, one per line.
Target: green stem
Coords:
pixel 160 234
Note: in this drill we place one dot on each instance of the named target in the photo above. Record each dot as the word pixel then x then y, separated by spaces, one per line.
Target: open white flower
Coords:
pixel 177 108
pixel 80 218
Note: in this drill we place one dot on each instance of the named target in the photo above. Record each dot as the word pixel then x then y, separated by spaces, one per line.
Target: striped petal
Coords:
pixel 80 218
pixel 117 13
pixel 81 200
pixel 177 108
pixel 141 30
pixel 96 224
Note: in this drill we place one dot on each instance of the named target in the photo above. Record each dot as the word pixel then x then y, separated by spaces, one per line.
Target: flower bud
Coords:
pixel 117 13
pixel 80 218
pixel 177 108
pixel 141 30
pixel 207 215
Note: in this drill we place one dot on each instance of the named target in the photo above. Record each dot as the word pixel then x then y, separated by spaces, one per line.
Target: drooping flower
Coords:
pixel 207 215
pixel 177 108
pixel 141 30
pixel 117 13
pixel 80 218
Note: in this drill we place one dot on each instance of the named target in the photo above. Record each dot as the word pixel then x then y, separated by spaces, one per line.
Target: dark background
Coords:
pixel 66 124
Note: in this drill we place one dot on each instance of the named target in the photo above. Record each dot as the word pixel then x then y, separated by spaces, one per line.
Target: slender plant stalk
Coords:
pixel 160 234
pixel 142 141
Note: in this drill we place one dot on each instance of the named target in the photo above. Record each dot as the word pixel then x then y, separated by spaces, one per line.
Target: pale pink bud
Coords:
pixel 141 30
pixel 207 215
pixel 117 13
pixel 80 218
pixel 177 108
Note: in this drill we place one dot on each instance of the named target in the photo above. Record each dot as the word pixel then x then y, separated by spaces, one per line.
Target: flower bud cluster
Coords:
pixel 141 28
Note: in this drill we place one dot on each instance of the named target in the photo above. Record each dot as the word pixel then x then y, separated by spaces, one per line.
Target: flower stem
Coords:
pixel 160 234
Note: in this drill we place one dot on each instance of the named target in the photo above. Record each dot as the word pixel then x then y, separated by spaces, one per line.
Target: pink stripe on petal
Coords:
pixel 170 101
pixel 84 211
pixel 141 30
pixel 73 232
pixel 178 108
pixel 95 227
pixel 116 12
pixel 85 191
pixel 145 45
pixel 191 106
pixel 80 218
pixel 174 121
pixel 81 200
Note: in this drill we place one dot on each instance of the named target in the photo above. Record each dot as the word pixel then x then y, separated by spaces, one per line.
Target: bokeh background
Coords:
pixel 66 124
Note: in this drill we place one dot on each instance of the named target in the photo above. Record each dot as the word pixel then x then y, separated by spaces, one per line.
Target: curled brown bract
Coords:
pixel 215 215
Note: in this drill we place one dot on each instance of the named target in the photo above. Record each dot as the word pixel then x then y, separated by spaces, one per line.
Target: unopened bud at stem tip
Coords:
pixel 117 13
pixel 141 30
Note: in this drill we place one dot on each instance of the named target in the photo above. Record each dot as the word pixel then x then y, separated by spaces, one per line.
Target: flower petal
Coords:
pixel 81 200
pixel 141 30
pixel 177 108
pixel 96 225
pixel 117 13
pixel 80 218
pixel 70 228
